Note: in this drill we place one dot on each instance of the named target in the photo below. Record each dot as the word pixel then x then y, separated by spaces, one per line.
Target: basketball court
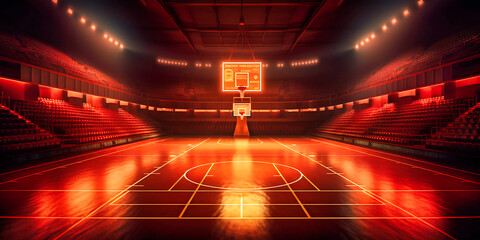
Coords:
pixel 238 119
pixel 223 187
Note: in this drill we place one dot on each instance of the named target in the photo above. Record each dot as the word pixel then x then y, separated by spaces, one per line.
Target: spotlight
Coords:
pixel 420 3
pixel 110 39
pixel 406 12
pixel 121 46
pixel 55 2
pixel 83 20
pixel 394 21
pixel 357 46
pixel 372 36
pixel 93 27
pixel 367 40
pixel 105 35
pixel 362 43
pixel 116 43
pixel 384 27
pixel 70 11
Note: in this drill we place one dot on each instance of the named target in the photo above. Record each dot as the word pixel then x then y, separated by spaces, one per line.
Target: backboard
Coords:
pixel 236 75
pixel 242 109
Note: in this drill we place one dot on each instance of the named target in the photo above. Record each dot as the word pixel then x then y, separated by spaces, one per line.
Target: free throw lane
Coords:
pixel 240 188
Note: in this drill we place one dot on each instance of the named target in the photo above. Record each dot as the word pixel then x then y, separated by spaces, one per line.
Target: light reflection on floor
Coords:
pixel 226 188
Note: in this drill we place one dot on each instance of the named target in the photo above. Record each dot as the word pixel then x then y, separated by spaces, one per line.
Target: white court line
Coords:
pixel 373 195
pixel 293 193
pixel 83 160
pixel 220 143
pixel 408 164
pixel 140 155
pixel 185 175
pixel 125 191
pixel 400 156
pixel 195 192
pixel 240 191
pixel 335 155
pixel 238 218
pixel 68 158
pixel 241 204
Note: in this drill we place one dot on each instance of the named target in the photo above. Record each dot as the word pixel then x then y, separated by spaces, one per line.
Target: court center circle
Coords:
pixel 281 177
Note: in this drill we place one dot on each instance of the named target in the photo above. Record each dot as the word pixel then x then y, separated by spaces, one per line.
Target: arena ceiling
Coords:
pixel 212 27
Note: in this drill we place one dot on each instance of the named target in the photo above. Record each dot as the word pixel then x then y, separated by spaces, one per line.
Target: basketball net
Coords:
pixel 242 114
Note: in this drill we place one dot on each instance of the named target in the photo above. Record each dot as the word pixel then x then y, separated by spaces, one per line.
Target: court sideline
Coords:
pixel 222 187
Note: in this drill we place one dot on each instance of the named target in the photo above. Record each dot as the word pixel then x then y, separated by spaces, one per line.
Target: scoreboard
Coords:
pixel 242 74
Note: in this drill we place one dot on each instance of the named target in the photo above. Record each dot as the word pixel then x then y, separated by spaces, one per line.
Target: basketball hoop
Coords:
pixel 242 113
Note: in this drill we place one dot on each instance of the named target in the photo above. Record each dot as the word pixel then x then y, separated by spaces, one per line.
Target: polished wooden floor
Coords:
pixel 224 188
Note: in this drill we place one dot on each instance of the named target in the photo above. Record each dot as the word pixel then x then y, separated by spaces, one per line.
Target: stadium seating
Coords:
pixel 259 128
pixel 199 127
pixel 462 133
pixel 444 51
pixel 78 125
pixel 33 52
pixel 20 135
pixel 227 127
pixel 408 124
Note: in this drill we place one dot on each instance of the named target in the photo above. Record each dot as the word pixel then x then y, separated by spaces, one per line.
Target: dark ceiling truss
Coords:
pixel 174 18
pixel 238 3
pixel 312 17
pixel 247 29
pixel 217 19
pixel 269 28
pixel 268 9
